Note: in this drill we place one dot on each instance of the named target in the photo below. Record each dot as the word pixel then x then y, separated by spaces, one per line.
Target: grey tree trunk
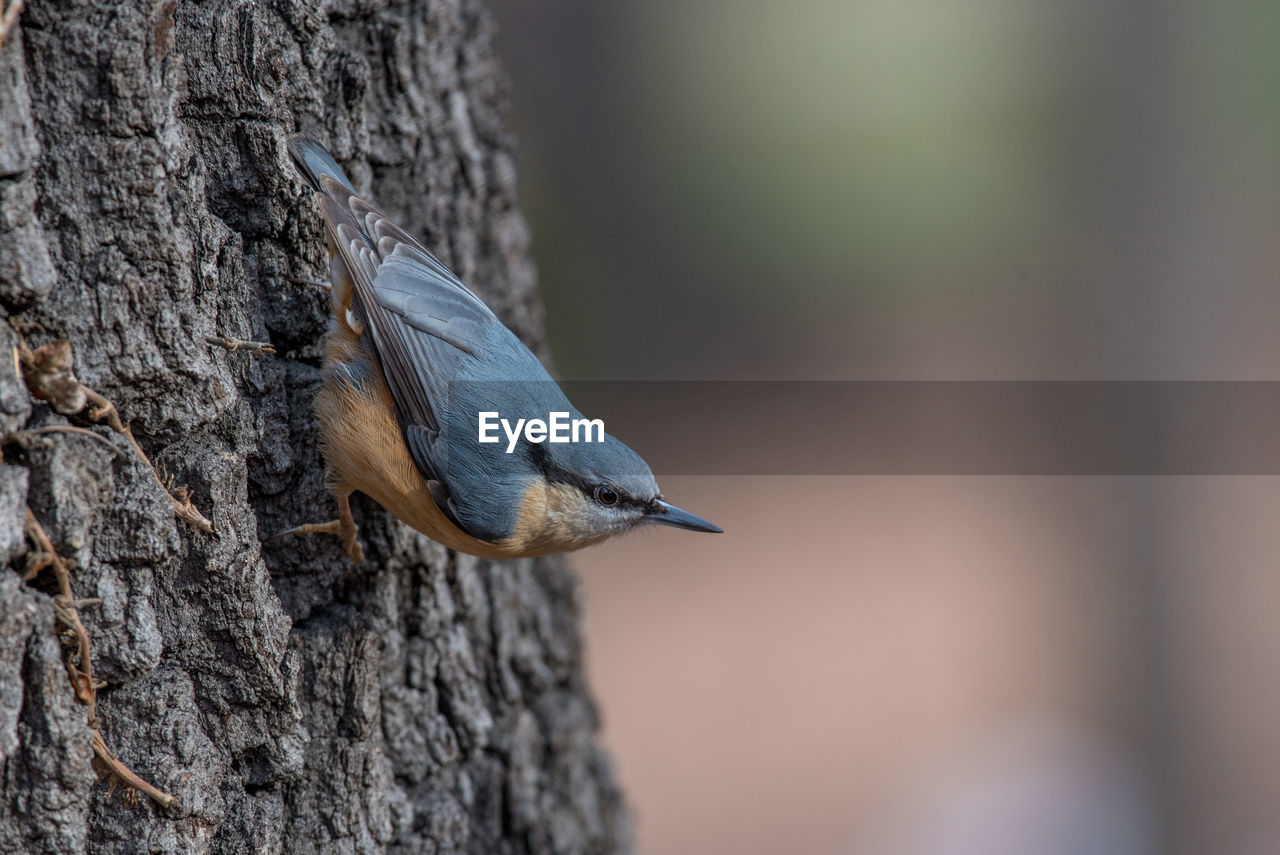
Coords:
pixel 289 701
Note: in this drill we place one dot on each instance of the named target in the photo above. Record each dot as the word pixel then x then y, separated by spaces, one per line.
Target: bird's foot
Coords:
pixel 350 543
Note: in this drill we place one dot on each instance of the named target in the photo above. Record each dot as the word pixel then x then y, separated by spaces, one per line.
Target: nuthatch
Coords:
pixel 412 358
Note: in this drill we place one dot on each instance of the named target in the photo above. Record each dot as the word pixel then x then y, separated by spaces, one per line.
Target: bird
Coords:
pixel 412 359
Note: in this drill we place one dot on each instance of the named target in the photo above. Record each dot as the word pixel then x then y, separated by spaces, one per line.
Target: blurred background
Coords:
pixel 912 189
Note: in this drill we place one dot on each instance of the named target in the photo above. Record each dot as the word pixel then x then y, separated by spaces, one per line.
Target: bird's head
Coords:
pixel 598 490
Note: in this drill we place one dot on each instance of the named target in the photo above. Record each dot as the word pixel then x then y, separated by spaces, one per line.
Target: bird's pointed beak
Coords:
pixel 665 513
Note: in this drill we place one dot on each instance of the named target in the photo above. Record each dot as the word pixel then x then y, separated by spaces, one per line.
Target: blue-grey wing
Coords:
pixel 438 344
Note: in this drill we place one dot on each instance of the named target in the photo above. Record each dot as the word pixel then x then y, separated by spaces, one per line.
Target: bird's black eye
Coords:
pixel 606 495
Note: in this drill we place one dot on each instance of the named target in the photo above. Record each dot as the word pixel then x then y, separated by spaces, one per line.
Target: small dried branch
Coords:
pixel 234 344
pixel 47 371
pixel 65 607
pixel 117 771
pixel 9 18
pixel 25 437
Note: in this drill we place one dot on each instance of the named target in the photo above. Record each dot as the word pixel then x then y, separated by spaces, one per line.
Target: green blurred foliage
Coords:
pixel 864 136
pixel 996 188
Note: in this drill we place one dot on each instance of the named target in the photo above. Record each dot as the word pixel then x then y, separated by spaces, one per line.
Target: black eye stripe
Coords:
pixel 557 475
pixel 553 473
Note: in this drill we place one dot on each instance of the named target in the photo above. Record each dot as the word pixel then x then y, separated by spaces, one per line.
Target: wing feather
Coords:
pixel 422 318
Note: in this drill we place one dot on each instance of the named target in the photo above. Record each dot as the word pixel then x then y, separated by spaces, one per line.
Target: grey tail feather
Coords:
pixel 313 160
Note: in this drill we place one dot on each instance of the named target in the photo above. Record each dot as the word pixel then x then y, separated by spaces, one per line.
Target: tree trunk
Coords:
pixel 288 700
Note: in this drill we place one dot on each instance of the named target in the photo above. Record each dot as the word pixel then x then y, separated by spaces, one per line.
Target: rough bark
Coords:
pixel 290 701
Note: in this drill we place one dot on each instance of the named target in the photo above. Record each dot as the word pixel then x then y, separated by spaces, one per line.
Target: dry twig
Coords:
pixel 81 671
pixel 117 771
pixel 9 18
pixel 25 437
pixel 48 375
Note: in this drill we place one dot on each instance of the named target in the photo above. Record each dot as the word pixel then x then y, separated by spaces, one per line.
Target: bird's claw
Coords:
pixel 350 543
